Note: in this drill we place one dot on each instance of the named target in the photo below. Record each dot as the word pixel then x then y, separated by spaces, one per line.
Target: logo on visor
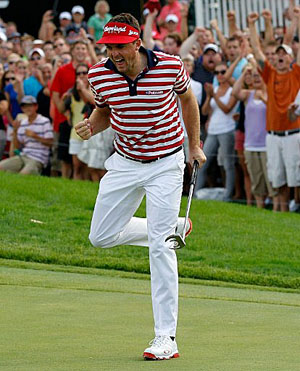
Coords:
pixel 133 33
pixel 114 29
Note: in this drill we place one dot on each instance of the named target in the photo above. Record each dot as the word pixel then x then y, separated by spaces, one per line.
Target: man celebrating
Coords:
pixel 283 83
pixel 135 93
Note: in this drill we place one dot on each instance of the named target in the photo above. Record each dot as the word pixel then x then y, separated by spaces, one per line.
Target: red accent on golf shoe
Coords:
pixel 150 356
pixel 190 228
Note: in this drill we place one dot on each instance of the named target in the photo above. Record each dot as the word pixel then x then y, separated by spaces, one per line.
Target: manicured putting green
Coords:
pixel 71 321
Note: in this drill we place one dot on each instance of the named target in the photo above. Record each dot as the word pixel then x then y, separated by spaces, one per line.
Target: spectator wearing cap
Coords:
pixel 283 138
pixel 34 83
pixel 15 38
pixel 78 22
pixel 97 21
pixel 171 42
pixel 204 73
pixel 32 139
pixel 172 7
pixel 65 19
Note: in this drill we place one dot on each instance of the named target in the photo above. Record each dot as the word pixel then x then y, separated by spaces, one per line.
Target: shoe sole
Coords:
pixel 152 357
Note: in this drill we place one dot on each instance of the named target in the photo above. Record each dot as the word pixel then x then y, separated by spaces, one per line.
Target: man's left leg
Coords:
pixel 163 192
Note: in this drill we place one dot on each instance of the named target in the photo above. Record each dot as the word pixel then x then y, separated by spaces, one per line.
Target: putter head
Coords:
pixel 178 241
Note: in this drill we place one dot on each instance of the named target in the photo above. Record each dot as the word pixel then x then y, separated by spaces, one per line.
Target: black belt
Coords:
pixel 284 133
pixel 152 160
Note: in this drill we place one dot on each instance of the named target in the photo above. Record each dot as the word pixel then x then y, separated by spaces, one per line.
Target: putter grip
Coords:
pixel 194 172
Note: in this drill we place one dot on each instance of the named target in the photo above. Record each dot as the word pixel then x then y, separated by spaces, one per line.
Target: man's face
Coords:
pixel 171 26
pixel 29 109
pixel 189 66
pixel 124 56
pixel 59 46
pixel 210 60
pixel 283 60
pixel 78 17
pixel 170 46
pixel 233 50
pixel 79 53
pixel 36 60
pixel 6 49
pixel 270 53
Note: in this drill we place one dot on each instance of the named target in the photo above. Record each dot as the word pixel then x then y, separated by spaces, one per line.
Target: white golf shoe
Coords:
pixel 161 347
pixel 180 224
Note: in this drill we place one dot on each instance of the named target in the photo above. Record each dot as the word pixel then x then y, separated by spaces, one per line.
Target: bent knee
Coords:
pixel 97 241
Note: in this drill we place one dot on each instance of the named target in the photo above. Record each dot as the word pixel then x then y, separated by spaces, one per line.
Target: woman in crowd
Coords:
pixel 220 106
pixel 75 102
pixel 242 175
pixel 97 21
pixel 255 135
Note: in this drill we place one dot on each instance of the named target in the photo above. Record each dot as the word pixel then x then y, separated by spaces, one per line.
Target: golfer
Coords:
pixel 135 93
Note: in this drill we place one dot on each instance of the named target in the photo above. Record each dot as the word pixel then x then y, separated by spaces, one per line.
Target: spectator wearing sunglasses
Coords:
pixel 34 83
pixel 220 106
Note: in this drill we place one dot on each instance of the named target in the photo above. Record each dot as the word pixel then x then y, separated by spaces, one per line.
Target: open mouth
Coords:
pixel 280 60
pixel 119 61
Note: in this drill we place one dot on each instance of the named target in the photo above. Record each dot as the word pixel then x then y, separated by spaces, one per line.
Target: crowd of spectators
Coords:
pixel 246 83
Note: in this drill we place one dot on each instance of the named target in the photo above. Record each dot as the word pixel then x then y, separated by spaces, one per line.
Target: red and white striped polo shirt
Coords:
pixel 144 112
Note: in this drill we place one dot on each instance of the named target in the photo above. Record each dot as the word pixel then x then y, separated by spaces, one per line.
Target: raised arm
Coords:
pixel 222 39
pixel 254 39
pixel 237 91
pixel 291 30
pixel 269 32
pixel 184 20
pixel 232 26
pixel 189 42
pixel 226 108
pixel 297 16
pixel 147 36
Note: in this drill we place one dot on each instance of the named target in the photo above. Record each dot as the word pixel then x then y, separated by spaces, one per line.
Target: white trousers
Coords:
pixel 120 194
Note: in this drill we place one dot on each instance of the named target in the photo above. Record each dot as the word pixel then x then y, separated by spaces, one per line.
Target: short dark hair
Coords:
pixel 128 19
pixel 175 36
pixel 234 38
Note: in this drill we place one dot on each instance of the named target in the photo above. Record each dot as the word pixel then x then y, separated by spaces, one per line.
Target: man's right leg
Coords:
pixel 118 199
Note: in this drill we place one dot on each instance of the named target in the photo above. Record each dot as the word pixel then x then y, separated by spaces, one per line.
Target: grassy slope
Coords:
pixel 230 242
pixel 71 321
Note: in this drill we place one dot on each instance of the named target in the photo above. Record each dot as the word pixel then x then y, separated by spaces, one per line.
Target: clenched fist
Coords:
pixel 84 129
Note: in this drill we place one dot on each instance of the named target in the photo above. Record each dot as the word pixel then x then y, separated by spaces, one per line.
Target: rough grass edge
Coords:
pixel 201 273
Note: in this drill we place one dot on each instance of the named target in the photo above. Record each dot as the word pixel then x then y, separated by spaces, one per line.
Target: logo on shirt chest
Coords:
pixel 154 92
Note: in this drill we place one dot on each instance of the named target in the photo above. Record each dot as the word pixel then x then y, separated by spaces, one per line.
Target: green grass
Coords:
pixel 101 320
pixel 230 242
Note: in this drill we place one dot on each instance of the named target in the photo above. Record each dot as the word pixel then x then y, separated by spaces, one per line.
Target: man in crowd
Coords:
pixel 32 139
pixel 283 83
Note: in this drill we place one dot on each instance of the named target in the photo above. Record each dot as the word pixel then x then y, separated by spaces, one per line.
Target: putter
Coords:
pixel 177 238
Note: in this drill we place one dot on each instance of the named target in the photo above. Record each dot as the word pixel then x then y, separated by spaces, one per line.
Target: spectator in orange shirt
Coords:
pixel 283 138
